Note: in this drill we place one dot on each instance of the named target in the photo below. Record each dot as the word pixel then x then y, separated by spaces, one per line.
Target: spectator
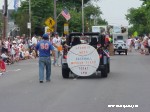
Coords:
pixel 33 54
pixel 149 44
pixel 6 58
pixel 145 43
pixel 57 44
pixel 128 43
pixel 22 54
pixel 2 66
pixel 26 54
pixel 34 40
pixel 136 44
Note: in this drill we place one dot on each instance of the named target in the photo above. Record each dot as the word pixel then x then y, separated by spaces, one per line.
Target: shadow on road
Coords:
pixel 93 76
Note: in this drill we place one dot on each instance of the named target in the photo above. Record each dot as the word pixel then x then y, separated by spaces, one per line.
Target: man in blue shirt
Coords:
pixel 45 47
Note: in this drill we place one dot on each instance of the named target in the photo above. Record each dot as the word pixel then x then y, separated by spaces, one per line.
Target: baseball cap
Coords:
pixel 56 33
pixel 45 36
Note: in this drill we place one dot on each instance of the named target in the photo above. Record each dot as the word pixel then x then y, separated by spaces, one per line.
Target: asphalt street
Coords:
pixel 127 85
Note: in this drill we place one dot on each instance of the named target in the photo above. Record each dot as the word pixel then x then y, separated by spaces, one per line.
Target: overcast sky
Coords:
pixel 113 10
pixel 10 4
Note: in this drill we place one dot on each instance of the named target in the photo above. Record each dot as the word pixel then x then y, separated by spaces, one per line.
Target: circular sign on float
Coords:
pixel 83 60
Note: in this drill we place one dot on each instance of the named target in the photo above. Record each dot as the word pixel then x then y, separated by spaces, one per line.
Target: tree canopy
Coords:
pixel 41 10
pixel 139 18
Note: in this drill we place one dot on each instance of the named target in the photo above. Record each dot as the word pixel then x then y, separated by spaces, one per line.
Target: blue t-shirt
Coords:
pixel 44 48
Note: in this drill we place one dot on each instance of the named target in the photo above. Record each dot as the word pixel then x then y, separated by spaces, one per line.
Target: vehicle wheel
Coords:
pixel 126 52
pixel 108 67
pixel 65 73
pixel 104 72
pixel 119 53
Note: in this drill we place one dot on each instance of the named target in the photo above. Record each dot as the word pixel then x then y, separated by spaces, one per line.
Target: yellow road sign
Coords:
pixel 49 30
pixel 50 22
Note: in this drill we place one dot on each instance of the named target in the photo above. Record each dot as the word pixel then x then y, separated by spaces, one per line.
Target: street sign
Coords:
pixel 66 28
pixel 50 22
pixel 29 25
pixel 48 29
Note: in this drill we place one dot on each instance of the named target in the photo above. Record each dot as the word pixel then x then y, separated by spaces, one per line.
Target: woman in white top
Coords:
pixel 136 44
pixel 57 43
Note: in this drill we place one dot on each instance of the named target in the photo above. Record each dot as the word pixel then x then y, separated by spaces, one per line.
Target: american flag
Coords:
pixel 66 14
pixel 107 53
pixel 16 4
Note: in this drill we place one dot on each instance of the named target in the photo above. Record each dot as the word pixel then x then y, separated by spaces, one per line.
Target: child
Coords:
pixel 22 53
pixel 2 66
pixel 33 54
pixel 26 54
pixel 6 58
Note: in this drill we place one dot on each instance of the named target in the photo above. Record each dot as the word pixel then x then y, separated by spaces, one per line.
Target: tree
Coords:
pixel 0 25
pixel 41 10
pixel 139 18
pixel 92 13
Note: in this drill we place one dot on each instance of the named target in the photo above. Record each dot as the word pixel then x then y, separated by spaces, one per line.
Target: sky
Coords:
pixel 10 4
pixel 113 10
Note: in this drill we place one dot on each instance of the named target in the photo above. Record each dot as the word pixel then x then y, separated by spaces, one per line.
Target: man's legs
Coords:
pixel 48 69
pixel 59 62
pixel 41 68
pixel 56 58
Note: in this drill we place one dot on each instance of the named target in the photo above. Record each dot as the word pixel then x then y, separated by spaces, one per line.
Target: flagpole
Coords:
pixel 58 15
pixel 82 18
pixel 55 18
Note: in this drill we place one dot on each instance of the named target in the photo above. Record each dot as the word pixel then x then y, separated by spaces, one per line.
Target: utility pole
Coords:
pixel 29 24
pixel 55 17
pixel 82 17
pixel 5 11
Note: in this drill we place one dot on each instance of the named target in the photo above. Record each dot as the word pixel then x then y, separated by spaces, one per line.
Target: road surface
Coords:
pixel 127 85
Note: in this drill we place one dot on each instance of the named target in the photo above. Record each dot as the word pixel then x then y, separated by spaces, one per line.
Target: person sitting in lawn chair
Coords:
pixel 6 58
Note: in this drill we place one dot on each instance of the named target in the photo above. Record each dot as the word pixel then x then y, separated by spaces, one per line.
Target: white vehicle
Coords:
pixel 120 35
pixel 120 46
